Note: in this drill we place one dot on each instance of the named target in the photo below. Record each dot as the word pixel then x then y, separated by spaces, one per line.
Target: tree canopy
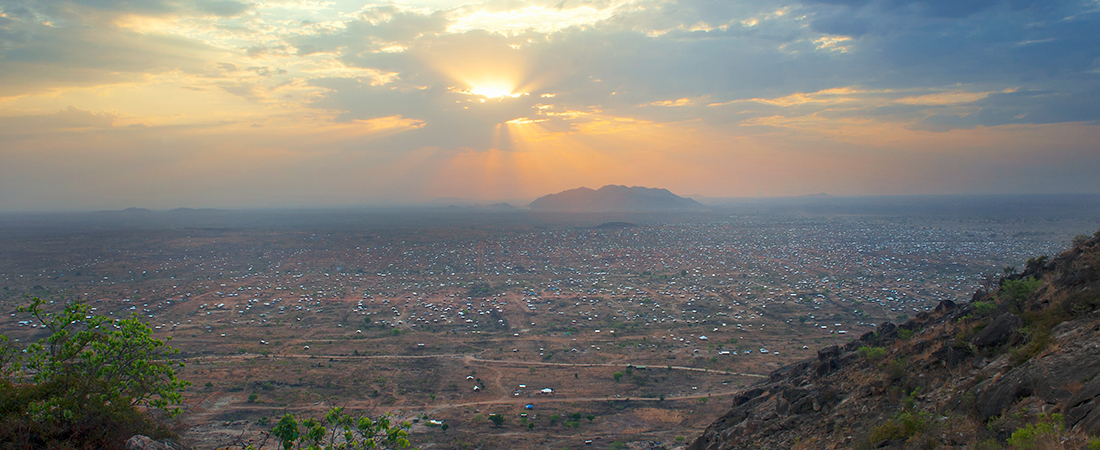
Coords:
pixel 87 384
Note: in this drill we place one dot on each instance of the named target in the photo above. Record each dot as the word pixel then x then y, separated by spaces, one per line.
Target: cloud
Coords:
pixel 40 55
pixel 71 119
pixel 525 90
pixel 951 9
pixel 69 9
pixel 1021 107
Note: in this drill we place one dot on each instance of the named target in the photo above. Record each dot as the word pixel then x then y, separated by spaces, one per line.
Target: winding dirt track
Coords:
pixel 467 358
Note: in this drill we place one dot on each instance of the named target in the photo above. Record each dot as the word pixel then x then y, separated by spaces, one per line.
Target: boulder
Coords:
pixel 139 442
pixel 831 351
pixel 997 332
pixel 945 306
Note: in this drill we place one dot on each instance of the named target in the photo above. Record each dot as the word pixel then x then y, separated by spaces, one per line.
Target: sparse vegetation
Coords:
pixel 1044 432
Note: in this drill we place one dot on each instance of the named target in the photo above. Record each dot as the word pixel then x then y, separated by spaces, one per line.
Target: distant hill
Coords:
pixel 613 198
pixel 615 225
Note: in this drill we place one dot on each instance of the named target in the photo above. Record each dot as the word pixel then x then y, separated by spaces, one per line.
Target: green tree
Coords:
pixel 85 381
pixel 497 420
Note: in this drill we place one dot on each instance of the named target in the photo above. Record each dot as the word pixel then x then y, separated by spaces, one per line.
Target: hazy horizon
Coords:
pixel 1084 204
pixel 265 104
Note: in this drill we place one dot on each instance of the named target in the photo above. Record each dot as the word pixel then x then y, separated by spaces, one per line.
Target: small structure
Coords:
pixel 546 391
pixel 529 406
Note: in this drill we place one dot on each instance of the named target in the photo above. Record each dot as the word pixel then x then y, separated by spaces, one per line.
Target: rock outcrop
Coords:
pixel 139 442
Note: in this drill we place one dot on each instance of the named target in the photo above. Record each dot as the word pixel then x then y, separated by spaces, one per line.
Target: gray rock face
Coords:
pixel 1084 408
pixel 1053 378
pixel 1002 330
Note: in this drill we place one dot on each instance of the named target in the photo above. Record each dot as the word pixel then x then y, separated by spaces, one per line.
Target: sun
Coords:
pixel 495 90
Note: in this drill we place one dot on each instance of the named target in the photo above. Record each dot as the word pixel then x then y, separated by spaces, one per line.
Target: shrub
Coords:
pixel 872 353
pixel 1045 432
pixel 897 369
pixel 85 381
pixel 1019 290
pixel 984 308
pixel 902 427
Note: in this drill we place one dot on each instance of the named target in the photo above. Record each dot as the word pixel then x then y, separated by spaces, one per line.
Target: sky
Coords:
pixel 108 104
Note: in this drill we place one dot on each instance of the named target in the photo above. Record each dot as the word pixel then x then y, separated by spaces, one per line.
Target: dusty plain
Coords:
pixel 583 331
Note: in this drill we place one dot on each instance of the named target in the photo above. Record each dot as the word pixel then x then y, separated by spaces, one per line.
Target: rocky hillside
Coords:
pixel 1013 368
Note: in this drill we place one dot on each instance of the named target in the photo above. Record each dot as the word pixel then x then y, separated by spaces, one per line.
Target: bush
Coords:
pixel 984 308
pixel 353 432
pixel 902 427
pixel 83 384
pixel 1032 434
pixel 872 353
pixel 1019 290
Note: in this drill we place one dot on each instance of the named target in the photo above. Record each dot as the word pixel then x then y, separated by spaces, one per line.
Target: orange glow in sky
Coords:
pixel 248 103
